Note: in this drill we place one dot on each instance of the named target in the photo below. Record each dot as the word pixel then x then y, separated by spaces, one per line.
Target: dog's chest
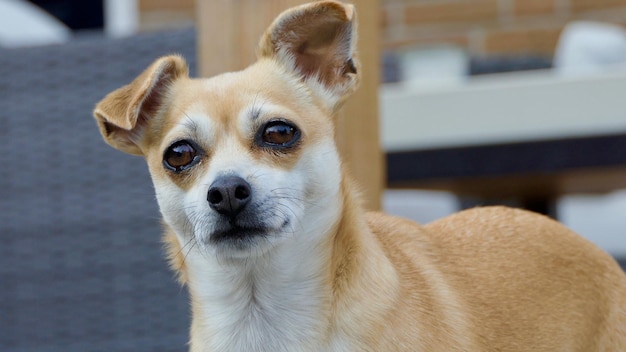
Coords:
pixel 256 323
pixel 257 330
pixel 273 314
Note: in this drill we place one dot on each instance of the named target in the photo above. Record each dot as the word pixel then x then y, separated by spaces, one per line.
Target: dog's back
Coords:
pixel 516 281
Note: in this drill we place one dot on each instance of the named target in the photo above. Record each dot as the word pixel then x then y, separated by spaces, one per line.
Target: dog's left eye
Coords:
pixel 179 156
pixel 279 134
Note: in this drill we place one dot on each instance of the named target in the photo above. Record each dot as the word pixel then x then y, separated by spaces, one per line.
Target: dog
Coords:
pixel 265 228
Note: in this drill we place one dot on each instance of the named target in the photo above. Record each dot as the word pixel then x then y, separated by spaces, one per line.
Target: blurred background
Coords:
pixel 481 102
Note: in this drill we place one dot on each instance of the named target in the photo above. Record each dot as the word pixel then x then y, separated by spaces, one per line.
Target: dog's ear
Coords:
pixel 123 114
pixel 318 42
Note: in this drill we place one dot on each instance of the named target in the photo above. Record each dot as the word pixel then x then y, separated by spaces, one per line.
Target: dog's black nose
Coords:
pixel 228 195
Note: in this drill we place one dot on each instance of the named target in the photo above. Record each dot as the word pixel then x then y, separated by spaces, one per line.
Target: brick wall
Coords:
pixel 162 14
pixel 484 27
pixel 490 27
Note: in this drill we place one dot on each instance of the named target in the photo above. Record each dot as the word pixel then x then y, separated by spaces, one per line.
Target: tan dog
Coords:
pixel 266 230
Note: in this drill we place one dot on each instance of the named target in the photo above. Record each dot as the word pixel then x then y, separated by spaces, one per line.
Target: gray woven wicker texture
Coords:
pixel 81 263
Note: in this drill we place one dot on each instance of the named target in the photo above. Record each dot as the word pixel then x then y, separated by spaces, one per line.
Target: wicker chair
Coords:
pixel 81 264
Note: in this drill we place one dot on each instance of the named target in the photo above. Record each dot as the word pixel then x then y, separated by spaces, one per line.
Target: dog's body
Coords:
pixel 266 229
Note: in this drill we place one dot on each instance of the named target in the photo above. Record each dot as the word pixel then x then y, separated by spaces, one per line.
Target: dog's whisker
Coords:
pixel 190 241
pixel 291 198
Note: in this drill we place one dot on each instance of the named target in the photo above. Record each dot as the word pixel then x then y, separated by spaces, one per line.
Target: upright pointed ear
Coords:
pixel 318 42
pixel 124 113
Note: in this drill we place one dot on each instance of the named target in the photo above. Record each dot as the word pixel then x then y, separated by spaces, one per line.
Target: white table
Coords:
pixel 524 136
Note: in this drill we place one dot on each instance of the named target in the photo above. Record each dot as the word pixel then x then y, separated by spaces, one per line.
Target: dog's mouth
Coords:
pixel 232 236
pixel 256 228
pixel 238 236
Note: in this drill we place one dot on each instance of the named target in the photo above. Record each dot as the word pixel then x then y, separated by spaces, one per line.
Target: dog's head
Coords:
pixel 245 160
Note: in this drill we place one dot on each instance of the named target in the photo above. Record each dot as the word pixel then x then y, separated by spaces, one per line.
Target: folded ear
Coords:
pixel 318 42
pixel 123 114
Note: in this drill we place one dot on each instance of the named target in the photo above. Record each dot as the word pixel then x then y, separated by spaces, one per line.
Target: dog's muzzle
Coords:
pixel 239 225
pixel 229 195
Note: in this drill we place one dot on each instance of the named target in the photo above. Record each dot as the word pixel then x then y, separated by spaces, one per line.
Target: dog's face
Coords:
pixel 245 161
pixel 238 165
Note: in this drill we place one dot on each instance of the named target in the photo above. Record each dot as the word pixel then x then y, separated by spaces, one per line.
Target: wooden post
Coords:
pixel 228 33
pixel 358 132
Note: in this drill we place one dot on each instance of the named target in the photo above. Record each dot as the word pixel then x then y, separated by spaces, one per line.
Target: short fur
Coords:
pixel 303 267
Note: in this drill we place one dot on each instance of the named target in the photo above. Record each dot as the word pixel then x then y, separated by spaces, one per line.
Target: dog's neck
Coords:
pixel 263 302
pixel 287 299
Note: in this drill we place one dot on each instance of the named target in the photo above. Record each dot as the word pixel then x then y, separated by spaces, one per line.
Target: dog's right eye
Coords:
pixel 180 156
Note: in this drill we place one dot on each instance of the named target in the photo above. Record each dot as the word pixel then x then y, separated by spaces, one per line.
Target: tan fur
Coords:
pixel 175 255
pixel 486 279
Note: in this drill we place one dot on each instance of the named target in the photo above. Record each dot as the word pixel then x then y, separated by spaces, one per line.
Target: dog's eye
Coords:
pixel 179 156
pixel 279 134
